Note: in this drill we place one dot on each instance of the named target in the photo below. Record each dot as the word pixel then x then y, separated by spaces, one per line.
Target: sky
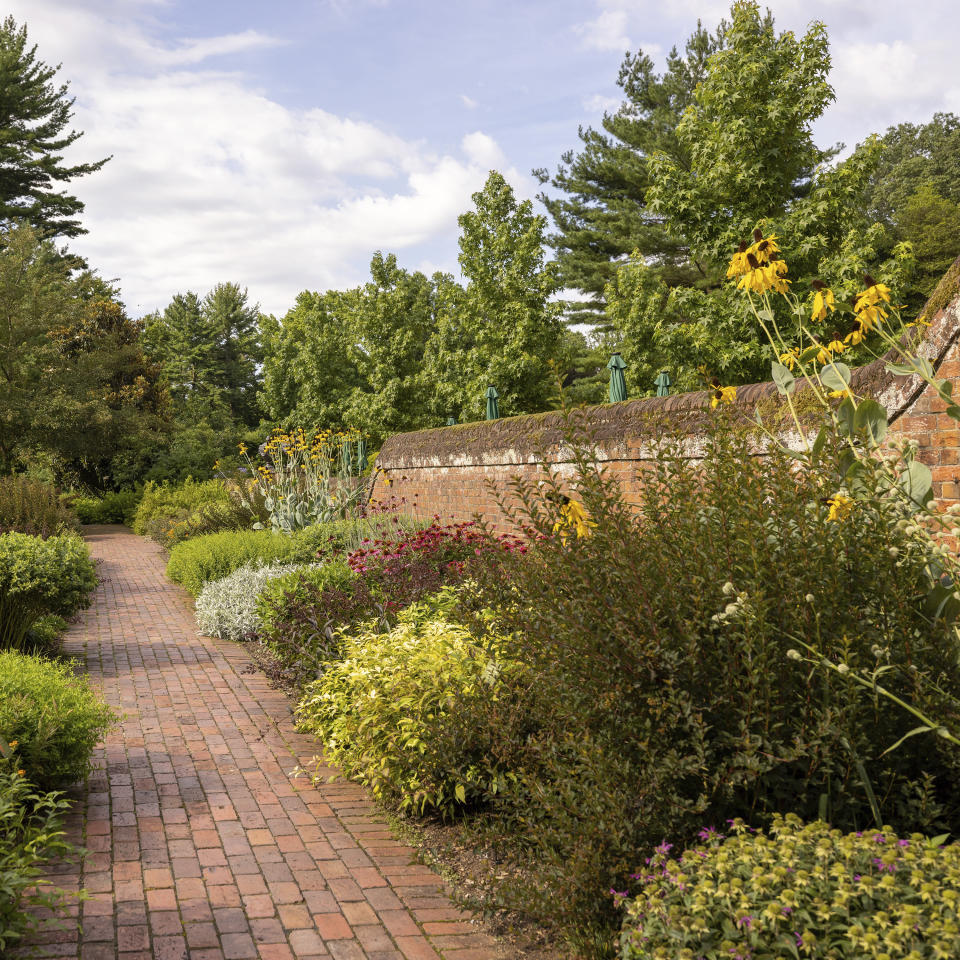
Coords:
pixel 278 145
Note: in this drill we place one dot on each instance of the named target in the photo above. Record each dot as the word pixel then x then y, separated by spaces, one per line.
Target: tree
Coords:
pixel 601 213
pixel 34 117
pixel 235 351
pixel 502 329
pixel 74 381
pixel 930 222
pixel 181 341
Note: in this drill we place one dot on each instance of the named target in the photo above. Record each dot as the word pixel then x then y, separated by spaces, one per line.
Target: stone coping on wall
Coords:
pixel 616 428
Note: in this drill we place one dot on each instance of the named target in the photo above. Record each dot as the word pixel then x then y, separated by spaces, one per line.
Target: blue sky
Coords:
pixel 278 145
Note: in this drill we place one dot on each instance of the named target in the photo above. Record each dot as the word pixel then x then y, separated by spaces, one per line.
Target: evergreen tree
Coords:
pixel 601 212
pixel 181 341
pixel 235 349
pixel 34 117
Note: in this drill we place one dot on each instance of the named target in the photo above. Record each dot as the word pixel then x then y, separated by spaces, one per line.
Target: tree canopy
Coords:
pixel 34 116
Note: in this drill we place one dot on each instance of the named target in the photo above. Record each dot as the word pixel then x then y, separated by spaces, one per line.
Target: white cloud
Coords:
pixel 606 32
pixel 212 180
pixel 468 102
pixel 598 103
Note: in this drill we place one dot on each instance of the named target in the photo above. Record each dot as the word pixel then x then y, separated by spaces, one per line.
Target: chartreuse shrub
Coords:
pixel 229 607
pixel 34 507
pixel 52 715
pixel 30 836
pixel 111 507
pixel 658 691
pixel 40 577
pixel 393 712
pixel 799 891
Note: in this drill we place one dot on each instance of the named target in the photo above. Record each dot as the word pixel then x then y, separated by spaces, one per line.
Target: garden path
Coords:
pixel 201 844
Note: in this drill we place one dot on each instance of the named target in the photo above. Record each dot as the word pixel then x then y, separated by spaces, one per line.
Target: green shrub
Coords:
pixel 30 835
pixel 658 636
pixel 44 634
pixel 804 890
pixel 213 556
pixel 162 503
pixel 298 615
pixel 37 577
pixel 112 507
pixel 228 608
pixel 30 506
pixel 52 715
pixel 390 714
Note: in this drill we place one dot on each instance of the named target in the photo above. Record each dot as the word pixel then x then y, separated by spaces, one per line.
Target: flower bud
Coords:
pixel 793 654
pixel 894 552
pixel 842 668
pixel 810 598
pixel 728 589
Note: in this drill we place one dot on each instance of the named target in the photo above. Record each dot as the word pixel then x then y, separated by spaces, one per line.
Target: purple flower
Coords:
pixel 745 922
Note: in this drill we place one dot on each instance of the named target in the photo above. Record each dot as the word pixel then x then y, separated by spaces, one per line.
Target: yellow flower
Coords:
pixel 840 507
pixel 789 359
pixel 823 303
pixel 21 773
pixel 242 447
pixel 875 293
pixel 837 394
pixel 823 356
pixel 763 277
pixel 836 345
pixel 574 516
pixel 919 322
pixel 763 248
pixel 724 395
pixel 13 744
pixel 855 337
pixel 738 264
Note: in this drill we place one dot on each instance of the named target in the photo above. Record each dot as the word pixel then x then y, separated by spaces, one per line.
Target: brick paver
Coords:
pixel 201 843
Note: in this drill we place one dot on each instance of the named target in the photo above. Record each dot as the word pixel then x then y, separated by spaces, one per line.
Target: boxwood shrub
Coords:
pixel 38 577
pixel 53 717
pixel 797 891
pixel 112 507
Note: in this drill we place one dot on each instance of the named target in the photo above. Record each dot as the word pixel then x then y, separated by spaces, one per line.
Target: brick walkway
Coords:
pixel 201 844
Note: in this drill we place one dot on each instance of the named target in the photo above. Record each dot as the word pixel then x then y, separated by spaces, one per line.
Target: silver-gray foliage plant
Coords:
pixel 227 608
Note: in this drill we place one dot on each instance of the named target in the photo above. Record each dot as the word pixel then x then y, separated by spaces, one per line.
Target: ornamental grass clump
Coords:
pixel 229 608
pixel 658 690
pixel 40 577
pixel 798 890
pixel 33 507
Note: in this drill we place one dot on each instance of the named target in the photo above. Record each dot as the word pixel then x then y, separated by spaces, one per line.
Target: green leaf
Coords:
pixel 783 378
pixel 809 354
pixel 954 412
pixel 914 365
pixel 819 444
pixel 871 418
pixel 847 414
pixel 835 376
pixel 906 736
pixel 461 793
pixel 916 482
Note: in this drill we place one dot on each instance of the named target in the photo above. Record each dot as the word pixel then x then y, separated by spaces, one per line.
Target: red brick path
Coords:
pixel 201 843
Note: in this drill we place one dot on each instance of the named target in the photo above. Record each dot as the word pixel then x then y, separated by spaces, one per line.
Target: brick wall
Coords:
pixel 449 470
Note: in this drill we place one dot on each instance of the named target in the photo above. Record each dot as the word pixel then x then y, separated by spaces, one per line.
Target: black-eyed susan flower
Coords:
pixel 856 336
pixel 722 395
pixel 789 359
pixel 763 277
pixel 836 345
pixel 764 249
pixel 841 507
pixel 823 301
pixel 738 264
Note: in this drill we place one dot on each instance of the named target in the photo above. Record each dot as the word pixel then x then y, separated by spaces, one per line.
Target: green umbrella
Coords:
pixel 361 455
pixel 618 385
pixel 662 383
pixel 493 408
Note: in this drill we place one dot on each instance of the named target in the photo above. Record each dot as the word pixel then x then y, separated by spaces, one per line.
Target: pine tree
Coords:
pixel 34 117
pixel 180 340
pixel 601 213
